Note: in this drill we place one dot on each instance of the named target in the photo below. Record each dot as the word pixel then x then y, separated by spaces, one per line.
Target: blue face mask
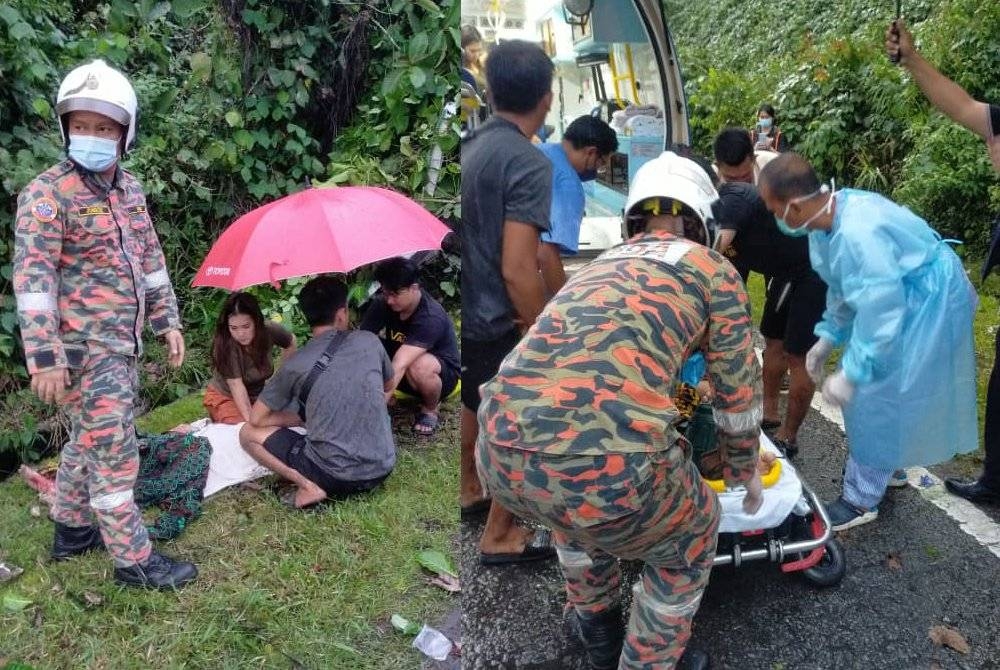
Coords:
pixel 788 230
pixel 588 175
pixel 96 154
pixel 764 123
pixel 804 228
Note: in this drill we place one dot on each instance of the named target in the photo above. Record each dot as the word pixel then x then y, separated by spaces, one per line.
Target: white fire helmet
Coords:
pixel 670 177
pixel 97 87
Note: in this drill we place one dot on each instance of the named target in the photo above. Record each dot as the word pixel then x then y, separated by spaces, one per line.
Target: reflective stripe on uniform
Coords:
pixel 156 279
pixel 574 559
pixel 685 608
pixel 36 302
pixel 110 501
pixel 735 423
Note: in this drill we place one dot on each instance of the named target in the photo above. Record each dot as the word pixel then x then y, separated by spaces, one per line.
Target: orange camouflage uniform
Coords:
pixel 578 430
pixel 88 270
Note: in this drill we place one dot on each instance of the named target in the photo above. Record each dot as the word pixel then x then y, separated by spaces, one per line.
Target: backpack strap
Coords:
pixel 318 367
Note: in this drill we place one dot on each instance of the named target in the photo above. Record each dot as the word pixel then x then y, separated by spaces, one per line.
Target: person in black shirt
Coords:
pixel 984 120
pixel 506 198
pixel 419 337
pixel 796 298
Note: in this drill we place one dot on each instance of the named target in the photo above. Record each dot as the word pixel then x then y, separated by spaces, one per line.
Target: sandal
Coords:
pixel 426 424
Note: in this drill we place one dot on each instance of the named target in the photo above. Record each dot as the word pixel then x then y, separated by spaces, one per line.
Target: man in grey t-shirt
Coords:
pixel 349 446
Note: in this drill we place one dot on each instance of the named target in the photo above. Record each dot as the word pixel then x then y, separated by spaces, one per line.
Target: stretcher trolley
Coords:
pixel 791 528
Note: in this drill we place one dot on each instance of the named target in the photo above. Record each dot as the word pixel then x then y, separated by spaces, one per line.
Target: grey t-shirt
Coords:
pixel 349 434
pixel 504 178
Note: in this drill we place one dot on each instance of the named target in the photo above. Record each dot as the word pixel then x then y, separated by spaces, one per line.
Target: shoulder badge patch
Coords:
pixel 45 209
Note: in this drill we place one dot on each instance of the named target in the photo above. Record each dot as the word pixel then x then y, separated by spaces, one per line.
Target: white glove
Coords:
pixel 838 390
pixel 817 357
pixel 755 494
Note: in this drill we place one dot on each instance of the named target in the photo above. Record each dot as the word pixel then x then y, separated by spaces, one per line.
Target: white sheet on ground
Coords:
pixel 229 464
pixel 779 499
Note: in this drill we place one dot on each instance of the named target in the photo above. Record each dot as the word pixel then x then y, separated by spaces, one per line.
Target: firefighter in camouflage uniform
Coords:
pixel 88 271
pixel 578 430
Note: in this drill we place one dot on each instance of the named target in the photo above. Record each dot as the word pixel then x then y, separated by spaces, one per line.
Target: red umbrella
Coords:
pixel 315 231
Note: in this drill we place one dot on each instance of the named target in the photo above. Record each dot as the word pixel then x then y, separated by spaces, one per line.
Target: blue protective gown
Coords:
pixel 901 304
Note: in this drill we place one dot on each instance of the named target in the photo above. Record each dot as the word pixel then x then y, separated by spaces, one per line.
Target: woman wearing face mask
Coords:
pixel 88 272
pixel 767 135
pixel 901 306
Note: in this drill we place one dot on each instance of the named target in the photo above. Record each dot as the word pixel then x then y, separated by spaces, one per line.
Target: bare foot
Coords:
pixel 309 495
pixel 513 542
pixel 183 429
pixel 471 494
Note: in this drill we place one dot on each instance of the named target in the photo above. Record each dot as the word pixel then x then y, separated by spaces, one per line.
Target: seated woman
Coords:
pixel 241 358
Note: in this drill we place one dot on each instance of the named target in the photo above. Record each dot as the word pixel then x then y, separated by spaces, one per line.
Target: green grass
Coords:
pixel 984 328
pixel 278 587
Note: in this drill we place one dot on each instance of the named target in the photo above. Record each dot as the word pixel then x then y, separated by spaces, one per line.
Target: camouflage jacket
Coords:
pixel 87 268
pixel 595 373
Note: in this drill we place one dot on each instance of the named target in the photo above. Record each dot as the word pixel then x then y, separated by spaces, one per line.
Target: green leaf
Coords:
pixel 185 8
pixel 234 119
pixel 14 603
pixel 201 65
pixel 417 49
pixel 417 76
pixel 404 625
pixel 436 562
pixel 41 106
pixel 19 31
pixel 159 10
pixel 430 6
pixel 178 177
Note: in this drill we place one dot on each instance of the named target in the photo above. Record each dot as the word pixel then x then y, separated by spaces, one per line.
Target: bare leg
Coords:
pixel 470 488
pixel 501 535
pixel 800 394
pixel 773 370
pixel 252 440
pixel 424 375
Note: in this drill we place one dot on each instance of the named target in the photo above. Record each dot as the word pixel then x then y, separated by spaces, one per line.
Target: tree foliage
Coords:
pixel 240 102
pixel 839 100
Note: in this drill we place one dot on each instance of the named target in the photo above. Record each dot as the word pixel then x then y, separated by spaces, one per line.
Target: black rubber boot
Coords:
pixel 70 541
pixel 693 659
pixel 602 635
pixel 158 572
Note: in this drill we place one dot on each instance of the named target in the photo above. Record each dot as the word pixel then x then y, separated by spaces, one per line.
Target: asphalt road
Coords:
pixel 759 618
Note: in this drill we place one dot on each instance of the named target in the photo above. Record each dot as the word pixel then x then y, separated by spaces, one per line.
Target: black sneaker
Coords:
pixel 70 541
pixel 158 572
pixel 975 491
pixel 602 635
pixel 788 448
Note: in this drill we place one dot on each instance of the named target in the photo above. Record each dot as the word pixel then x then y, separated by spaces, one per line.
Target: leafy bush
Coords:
pixel 841 103
pixel 240 101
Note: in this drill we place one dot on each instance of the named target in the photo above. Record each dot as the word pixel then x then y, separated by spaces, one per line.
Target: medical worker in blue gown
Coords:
pixel 901 306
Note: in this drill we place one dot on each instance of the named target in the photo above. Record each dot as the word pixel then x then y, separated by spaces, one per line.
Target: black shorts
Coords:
pixel 480 362
pixel 801 308
pixel 449 380
pixel 288 447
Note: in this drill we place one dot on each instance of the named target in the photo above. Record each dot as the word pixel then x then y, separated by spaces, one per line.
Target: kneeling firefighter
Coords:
pixel 578 429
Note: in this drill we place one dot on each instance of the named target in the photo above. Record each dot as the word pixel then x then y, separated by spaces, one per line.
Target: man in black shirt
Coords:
pixel 506 197
pixel 984 120
pixel 419 337
pixel 795 301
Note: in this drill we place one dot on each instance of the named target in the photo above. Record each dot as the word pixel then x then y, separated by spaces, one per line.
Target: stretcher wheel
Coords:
pixel 830 569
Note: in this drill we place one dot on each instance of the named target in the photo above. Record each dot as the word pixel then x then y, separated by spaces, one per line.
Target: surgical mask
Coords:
pixel 588 175
pixel 765 123
pixel 803 230
pixel 96 154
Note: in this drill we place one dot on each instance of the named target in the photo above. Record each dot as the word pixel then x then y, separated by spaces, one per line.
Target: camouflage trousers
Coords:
pixel 650 507
pixel 100 463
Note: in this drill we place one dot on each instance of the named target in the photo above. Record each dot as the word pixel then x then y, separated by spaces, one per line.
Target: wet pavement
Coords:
pixel 910 570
